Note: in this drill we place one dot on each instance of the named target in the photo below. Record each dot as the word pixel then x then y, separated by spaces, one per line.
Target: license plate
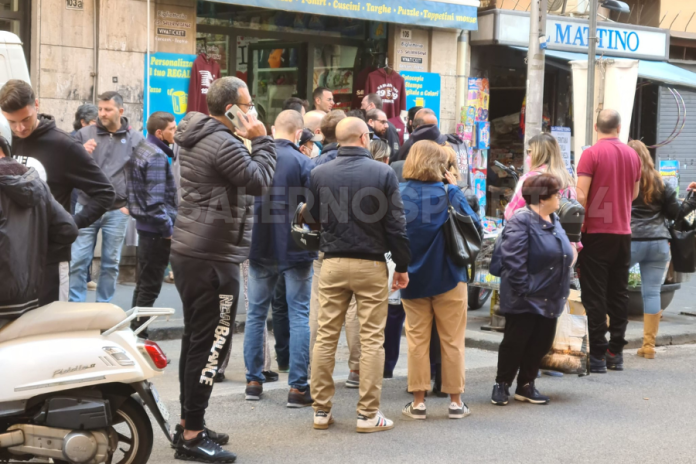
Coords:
pixel 160 405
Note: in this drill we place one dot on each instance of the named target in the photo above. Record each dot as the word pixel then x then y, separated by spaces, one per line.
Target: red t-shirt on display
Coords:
pixel 615 169
pixel 205 70
pixel 391 88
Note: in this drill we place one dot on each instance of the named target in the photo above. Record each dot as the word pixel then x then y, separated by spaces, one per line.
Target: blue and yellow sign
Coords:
pixel 170 74
pixel 422 89
pixel 416 12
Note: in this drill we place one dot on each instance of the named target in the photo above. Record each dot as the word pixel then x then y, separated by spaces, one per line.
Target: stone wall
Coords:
pixel 63 59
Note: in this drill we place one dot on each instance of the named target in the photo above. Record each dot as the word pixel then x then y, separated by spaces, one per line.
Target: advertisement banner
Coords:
pixel 170 74
pixel 562 136
pixel 422 89
pixel 416 12
pixel 669 170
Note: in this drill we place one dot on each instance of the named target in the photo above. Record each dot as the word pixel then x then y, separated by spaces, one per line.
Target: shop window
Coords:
pixel 15 18
pixel 217 47
pixel 333 68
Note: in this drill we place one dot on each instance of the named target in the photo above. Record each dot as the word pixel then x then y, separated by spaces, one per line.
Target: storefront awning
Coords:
pixel 451 14
pixel 657 71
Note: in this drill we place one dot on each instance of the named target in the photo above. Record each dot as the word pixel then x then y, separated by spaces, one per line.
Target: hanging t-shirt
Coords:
pixel 389 86
pixel 205 70
pixel 400 128
pixel 359 83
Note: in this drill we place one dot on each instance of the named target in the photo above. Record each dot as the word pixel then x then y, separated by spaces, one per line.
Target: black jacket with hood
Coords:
pixel 30 218
pixel 219 179
pixel 424 132
pixel 68 166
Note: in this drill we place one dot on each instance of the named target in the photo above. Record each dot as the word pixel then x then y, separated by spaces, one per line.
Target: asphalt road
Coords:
pixel 644 414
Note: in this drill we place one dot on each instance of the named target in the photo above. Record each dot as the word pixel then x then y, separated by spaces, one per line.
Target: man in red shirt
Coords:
pixel 608 182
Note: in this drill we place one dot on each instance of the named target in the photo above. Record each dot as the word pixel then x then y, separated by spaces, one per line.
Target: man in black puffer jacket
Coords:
pixel 212 236
pixel 29 218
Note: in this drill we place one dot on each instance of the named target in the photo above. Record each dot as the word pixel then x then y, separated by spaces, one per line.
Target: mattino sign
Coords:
pixel 571 34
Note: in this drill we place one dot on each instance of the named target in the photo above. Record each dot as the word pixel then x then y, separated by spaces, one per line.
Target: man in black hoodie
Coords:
pixel 68 166
pixel 30 219
pixel 424 128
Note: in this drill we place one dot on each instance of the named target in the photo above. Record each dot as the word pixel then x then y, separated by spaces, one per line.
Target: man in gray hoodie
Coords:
pixel 111 143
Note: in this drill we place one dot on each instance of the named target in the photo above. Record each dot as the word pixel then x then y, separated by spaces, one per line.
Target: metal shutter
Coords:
pixel 683 148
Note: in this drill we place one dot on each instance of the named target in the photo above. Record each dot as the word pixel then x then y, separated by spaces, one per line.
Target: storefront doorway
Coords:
pixel 282 54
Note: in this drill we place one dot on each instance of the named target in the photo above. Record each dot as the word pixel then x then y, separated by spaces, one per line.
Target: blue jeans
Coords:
pixel 263 276
pixel 113 225
pixel 653 257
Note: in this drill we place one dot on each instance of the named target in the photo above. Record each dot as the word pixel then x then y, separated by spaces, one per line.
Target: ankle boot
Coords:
pixel 651 322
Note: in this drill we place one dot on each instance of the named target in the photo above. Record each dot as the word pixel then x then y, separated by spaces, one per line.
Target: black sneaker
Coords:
pixel 283 369
pixel 219 438
pixel 299 399
pixel 270 376
pixel 202 449
pixel 388 375
pixel 614 361
pixel 598 365
pixel 219 377
pixel 253 391
pixel 531 394
pixel 500 395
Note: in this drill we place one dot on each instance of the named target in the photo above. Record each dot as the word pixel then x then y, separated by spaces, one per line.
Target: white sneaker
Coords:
pixel 322 420
pixel 379 423
pixel 414 412
pixel 457 411
pixel 91 285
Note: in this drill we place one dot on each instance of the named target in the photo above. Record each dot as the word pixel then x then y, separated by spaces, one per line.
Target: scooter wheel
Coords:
pixel 135 435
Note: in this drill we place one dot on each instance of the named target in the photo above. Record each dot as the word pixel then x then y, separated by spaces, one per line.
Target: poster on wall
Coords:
pixel 422 89
pixel 170 74
pixel 562 136
pixel 480 185
pixel 669 170
pixel 175 28
pixel 478 98
pixel 483 135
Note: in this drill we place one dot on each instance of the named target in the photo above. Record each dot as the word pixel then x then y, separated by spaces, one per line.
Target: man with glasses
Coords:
pixel 380 125
pixel 367 223
pixel 219 178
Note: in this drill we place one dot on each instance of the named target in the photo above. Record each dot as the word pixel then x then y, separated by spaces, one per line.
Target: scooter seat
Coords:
pixel 63 317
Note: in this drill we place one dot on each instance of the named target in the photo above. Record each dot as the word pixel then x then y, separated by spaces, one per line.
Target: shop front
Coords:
pixel 498 60
pixel 286 49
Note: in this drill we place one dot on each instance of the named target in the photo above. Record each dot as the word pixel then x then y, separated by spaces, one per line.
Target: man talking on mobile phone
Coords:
pixel 212 236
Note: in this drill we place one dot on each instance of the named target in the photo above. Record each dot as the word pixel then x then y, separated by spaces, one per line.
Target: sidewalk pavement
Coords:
pixel 675 329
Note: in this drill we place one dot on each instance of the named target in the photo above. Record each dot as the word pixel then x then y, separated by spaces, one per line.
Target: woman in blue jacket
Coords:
pixel 437 288
pixel 536 259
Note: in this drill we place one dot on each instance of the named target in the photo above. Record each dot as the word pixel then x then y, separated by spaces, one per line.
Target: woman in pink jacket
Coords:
pixel 545 158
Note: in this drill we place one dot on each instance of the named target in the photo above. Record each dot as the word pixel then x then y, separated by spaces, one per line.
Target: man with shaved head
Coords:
pixel 312 121
pixel 359 209
pixel 424 128
pixel 608 182
pixel 274 256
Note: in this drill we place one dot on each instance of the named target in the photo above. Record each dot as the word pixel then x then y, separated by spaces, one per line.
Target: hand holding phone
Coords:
pixel 246 124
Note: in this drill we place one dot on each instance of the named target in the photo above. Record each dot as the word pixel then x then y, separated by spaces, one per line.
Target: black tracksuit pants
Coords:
pixel 209 291
pixel 528 338
pixel 604 263
pixel 153 258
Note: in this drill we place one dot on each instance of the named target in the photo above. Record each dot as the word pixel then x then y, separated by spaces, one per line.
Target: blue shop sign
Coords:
pixel 170 74
pixel 415 12
pixel 422 89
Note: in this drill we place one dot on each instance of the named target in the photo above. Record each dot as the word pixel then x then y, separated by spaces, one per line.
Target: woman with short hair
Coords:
pixel 437 292
pixel 536 260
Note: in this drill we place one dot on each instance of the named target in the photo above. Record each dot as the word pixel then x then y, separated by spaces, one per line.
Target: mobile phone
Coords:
pixel 232 116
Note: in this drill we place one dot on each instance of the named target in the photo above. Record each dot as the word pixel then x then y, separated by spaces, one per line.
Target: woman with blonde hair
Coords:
pixel 656 203
pixel 436 293
pixel 545 154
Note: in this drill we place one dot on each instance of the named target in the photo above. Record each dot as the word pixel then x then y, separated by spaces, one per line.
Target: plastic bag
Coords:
pixel 570 351
pixel 394 297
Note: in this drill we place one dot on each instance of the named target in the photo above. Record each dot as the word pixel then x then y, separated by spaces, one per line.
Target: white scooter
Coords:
pixel 74 380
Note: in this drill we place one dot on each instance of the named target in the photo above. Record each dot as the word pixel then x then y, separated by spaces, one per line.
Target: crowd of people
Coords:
pixel 216 196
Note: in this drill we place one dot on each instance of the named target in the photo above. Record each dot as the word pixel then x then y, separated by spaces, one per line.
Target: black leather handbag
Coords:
pixel 683 244
pixel 462 239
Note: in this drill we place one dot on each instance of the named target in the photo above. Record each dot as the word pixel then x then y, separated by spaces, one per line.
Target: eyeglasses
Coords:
pixel 248 105
pixel 382 121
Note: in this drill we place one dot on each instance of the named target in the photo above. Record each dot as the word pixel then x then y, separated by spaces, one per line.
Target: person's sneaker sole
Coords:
pixel 602 370
pixel 413 415
pixel 252 397
pixel 615 367
pixel 323 426
pixel 500 403
pixel 529 400
pixel 374 429
pixel 459 416
pixel 184 457
pixel 351 384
